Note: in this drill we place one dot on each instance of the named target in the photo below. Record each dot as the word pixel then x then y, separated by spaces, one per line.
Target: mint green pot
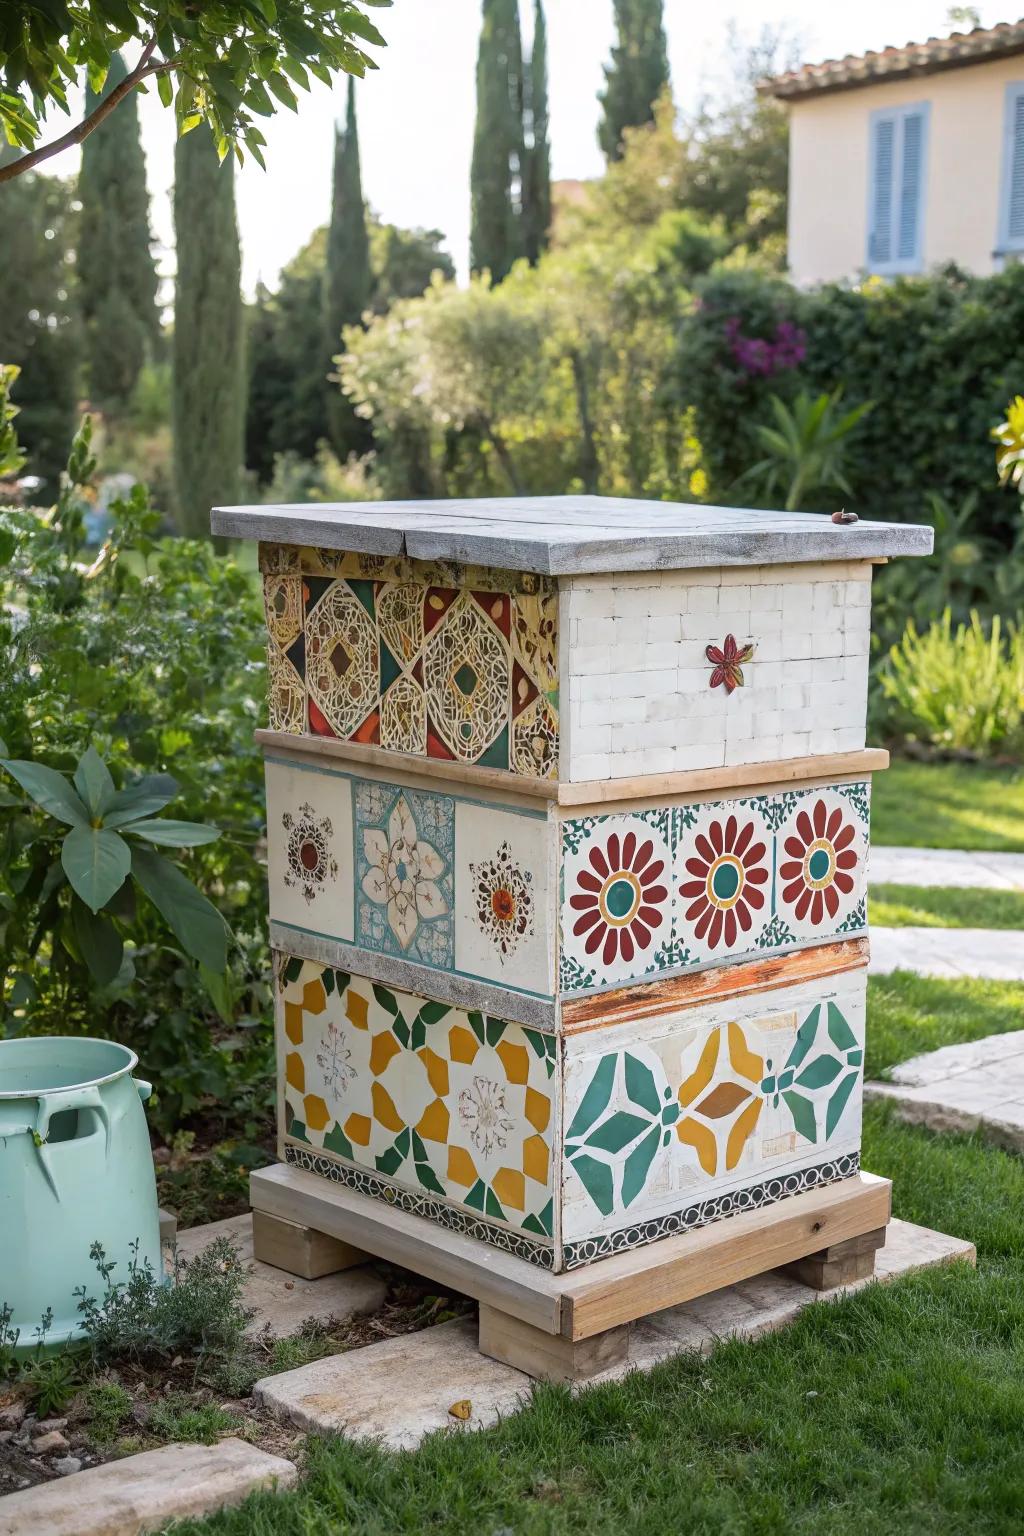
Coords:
pixel 75 1169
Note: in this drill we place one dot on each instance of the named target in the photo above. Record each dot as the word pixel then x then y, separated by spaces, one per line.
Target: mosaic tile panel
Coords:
pixel 442 881
pixel 664 1115
pixel 404 885
pixel 429 658
pixel 704 1212
pixel 309 849
pixel 409 1093
pixel 650 892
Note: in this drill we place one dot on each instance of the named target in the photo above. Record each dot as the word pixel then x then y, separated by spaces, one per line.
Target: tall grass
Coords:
pixel 959 689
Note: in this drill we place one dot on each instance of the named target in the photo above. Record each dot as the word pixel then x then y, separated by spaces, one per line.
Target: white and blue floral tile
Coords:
pixel 404 873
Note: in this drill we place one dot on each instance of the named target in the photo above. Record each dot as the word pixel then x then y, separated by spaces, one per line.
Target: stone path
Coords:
pixel 281 1301
pixel 402 1389
pixel 144 1492
pixel 976 1086
pixel 946 867
pixel 992 953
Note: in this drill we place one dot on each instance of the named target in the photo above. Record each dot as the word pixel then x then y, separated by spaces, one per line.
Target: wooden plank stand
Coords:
pixel 571 1326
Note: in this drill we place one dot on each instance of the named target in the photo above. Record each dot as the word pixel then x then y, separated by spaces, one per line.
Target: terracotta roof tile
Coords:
pixel 893 63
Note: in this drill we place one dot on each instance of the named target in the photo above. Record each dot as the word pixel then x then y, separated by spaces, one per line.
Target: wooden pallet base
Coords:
pixel 301 1250
pixel 569 1326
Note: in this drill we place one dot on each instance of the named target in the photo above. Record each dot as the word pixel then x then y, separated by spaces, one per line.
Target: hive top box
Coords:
pixel 572 535
pixel 576 642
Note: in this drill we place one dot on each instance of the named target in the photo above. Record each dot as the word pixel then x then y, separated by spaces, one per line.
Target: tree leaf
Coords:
pixel 96 861
pixel 49 789
pixel 363 27
pixel 143 798
pixel 98 941
pixel 93 782
pixel 257 98
pixel 283 91
pixel 172 834
pixel 220 991
pixel 193 920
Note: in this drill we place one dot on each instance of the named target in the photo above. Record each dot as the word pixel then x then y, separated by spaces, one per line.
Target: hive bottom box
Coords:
pixel 563 1149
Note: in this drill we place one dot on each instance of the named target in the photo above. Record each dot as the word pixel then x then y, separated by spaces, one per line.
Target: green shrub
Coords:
pixel 805 449
pixel 940 356
pixel 152 650
pixel 958 689
pixel 147 1321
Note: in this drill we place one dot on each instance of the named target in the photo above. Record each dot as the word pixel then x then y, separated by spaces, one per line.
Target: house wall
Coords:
pixel 828 178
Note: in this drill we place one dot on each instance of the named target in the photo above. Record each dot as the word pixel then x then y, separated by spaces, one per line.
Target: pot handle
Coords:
pixel 145 1089
pixel 51 1105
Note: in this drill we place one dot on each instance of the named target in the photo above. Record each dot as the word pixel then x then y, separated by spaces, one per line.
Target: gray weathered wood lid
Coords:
pixel 566 535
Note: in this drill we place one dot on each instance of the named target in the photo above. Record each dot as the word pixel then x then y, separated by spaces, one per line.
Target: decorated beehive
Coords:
pixel 567 812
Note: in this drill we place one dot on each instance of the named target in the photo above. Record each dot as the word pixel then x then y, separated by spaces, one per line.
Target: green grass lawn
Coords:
pixel 921 906
pixel 898 1409
pixel 948 805
pixel 908 1014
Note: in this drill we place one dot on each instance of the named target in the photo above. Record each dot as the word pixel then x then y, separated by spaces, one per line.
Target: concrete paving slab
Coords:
pixel 281 1301
pixel 946 867
pixel 145 1492
pixel 401 1390
pixel 998 1056
pixel 977 1086
pixel 994 954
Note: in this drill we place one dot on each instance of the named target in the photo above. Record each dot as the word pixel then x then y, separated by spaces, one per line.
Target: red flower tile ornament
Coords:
pixel 726 661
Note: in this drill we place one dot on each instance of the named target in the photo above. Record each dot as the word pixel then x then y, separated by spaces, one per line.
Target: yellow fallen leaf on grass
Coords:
pixel 462 1409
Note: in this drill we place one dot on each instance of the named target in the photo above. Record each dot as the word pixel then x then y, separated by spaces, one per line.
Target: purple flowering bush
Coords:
pixel 766 355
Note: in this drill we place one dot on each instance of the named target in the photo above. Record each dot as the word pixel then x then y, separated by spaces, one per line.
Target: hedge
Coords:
pixel 940 356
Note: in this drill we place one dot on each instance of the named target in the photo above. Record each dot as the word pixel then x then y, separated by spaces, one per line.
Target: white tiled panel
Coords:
pixel 638 684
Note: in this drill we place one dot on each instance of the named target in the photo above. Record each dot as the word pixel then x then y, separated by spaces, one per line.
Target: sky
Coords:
pixel 416 112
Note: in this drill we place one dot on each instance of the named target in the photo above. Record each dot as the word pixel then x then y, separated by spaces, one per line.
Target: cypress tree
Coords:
pixel 347 278
pixel 497 235
pixel 116 272
pixel 537 183
pixel 637 74
pixel 209 388
pixel 38 321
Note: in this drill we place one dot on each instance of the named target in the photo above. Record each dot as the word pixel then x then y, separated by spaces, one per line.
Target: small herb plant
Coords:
pixel 47 1380
pixel 110 844
pixel 147 1322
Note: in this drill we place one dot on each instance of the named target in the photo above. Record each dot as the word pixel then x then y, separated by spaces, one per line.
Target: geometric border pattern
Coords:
pixel 522 1246
pixel 589 1250
pixel 702 1214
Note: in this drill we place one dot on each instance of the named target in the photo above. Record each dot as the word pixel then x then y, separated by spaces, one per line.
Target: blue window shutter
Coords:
pixel 883 168
pixel 897 190
pixel 911 185
pixel 1015 190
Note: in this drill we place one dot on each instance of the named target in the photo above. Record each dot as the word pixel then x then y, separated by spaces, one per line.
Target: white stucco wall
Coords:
pixel 828 177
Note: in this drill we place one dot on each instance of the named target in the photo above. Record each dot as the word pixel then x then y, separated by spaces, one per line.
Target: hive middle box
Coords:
pixel 567 865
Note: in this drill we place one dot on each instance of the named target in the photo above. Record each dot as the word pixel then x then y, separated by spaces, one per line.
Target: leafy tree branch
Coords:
pixel 221 63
